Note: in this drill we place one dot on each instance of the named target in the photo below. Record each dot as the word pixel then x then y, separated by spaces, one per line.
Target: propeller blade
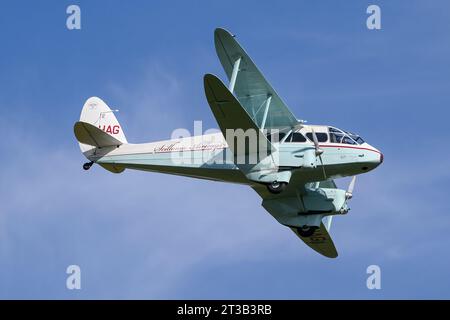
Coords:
pixel 323 167
pixel 351 186
pixel 327 223
pixel 316 143
pixel 315 140
pixel 318 151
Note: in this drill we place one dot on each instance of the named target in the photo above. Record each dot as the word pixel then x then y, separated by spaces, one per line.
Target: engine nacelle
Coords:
pixel 270 176
pixel 308 208
pixel 309 159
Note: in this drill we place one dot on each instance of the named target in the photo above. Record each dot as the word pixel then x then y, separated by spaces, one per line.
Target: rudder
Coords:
pixel 97 113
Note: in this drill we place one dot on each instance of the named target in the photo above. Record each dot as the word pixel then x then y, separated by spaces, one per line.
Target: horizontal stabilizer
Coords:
pixel 91 135
pixel 112 167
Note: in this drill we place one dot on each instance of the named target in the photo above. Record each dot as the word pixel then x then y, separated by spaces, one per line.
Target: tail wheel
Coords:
pixel 306 231
pixel 276 187
pixel 88 165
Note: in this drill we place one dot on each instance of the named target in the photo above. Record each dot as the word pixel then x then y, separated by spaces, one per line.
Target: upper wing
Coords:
pixel 251 88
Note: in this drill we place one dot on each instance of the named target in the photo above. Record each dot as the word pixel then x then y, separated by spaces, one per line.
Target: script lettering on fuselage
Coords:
pixel 178 147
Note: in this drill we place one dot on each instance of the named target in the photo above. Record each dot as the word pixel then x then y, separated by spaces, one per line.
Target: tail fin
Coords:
pixel 98 128
pixel 97 114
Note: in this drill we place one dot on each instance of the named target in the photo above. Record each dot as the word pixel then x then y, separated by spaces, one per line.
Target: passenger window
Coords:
pixel 295 137
pixel 273 136
pixel 289 138
pixel 336 137
pixel 298 137
pixel 321 136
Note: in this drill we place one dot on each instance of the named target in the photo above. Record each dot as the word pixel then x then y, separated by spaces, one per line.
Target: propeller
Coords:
pixel 318 151
pixel 316 143
pixel 327 223
pixel 351 186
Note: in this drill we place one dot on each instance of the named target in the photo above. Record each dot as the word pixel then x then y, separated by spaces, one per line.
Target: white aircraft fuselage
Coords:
pixel 208 157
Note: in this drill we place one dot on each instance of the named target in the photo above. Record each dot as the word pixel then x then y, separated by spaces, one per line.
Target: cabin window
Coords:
pixel 295 137
pixel 276 137
pixel 360 140
pixel 356 138
pixel 321 136
pixel 336 135
pixel 348 140
pixel 339 136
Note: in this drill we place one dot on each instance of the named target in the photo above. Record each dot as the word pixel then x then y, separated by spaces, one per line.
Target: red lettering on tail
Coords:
pixel 110 129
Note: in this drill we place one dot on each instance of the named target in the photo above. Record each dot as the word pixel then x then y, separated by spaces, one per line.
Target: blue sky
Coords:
pixel 147 235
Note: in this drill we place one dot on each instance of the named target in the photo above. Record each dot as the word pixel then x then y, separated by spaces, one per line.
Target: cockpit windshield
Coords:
pixel 341 136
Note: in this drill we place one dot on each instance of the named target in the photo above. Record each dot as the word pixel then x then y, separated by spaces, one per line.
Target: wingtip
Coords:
pixel 332 256
pixel 210 77
pixel 206 78
pixel 221 32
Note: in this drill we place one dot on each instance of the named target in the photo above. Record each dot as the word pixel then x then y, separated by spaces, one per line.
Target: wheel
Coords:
pixel 306 231
pixel 87 165
pixel 276 187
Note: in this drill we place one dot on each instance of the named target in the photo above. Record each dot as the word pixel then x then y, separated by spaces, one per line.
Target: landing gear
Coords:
pixel 276 187
pixel 88 165
pixel 306 231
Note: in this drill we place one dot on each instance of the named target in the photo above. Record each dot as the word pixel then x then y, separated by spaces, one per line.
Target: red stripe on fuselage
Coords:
pixel 349 147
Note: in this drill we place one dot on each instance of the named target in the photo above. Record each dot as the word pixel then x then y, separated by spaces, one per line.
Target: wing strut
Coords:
pixel 266 111
pixel 234 74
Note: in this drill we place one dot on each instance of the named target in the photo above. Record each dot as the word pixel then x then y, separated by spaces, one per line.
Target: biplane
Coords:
pixel 291 164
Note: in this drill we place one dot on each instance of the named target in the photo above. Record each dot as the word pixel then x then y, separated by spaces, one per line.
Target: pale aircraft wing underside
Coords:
pixel 251 88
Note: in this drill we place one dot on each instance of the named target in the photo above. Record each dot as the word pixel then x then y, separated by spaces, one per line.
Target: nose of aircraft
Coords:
pixel 376 156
